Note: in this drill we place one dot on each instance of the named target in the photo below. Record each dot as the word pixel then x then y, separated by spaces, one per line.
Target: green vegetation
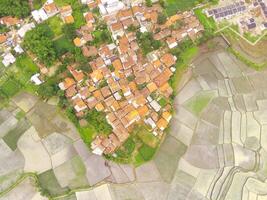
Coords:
pixel 147 152
pixel 87 133
pixel 208 22
pixel 37 4
pixel 55 24
pixel 147 43
pixel 162 18
pixel 49 88
pixel 63 45
pixel 101 35
pixel 148 3
pixel 174 6
pixel 183 61
pixel 18 8
pixel 197 103
pixel 69 31
pixel 3 28
pixel 98 121
pixel 138 148
pixel 10 87
pixel 78 10
pixel 17 77
pixel 245 60
pixel 163 102
pixel 49 184
pixel 12 137
pixel 39 41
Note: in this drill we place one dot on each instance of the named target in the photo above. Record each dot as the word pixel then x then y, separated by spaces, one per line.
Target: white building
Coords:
pixel 18 49
pixel 36 80
pixel 8 59
pixel 27 27
pixel 110 6
pixel 39 15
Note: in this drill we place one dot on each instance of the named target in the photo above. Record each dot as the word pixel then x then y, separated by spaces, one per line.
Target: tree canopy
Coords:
pixel 147 42
pixel 18 8
pixel 39 41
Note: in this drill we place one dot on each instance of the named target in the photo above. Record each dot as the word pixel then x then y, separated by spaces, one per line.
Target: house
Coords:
pixel 39 15
pixel 18 49
pixel 107 7
pixel 27 27
pixel 9 21
pixel 68 19
pixel 50 8
pixel 8 59
pixel 78 42
pixel 67 83
pixel 65 11
pixel 171 42
pixel 36 80
pixel 3 38
pixel 89 17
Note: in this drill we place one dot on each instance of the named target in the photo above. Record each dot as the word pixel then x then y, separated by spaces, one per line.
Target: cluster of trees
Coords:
pixel 147 42
pixel 98 121
pixel 162 18
pixel 18 8
pixel 39 41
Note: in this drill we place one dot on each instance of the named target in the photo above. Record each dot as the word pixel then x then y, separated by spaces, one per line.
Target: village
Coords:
pixel 126 82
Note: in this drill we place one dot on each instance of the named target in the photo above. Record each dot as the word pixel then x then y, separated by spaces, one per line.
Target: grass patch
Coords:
pixel 12 137
pixel 146 136
pixel 147 152
pixel 172 6
pixel 49 184
pixel 10 87
pixel 182 64
pixel 55 24
pixel 163 102
pixel 87 133
pixel 248 62
pixel 63 45
pixel 197 103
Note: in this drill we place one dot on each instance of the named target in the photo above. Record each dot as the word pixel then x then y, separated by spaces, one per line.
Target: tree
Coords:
pixel 39 41
pixel 98 121
pixel 147 42
pixel 69 31
pixel 162 3
pixel 17 8
pixel 162 18
pixel 148 3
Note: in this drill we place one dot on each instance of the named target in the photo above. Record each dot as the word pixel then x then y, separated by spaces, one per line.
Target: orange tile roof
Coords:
pixel 68 82
pixel 152 87
pixel 99 107
pixel 65 9
pixel 117 64
pixel 78 75
pixel 89 17
pixel 163 77
pixel 167 116
pixel 162 124
pixel 3 38
pixel 143 111
pixel 77 41
pixel 69 19
pixel 157 63
pixel 50 8
pixel 116 26
pixel 168 59
pixel 9 20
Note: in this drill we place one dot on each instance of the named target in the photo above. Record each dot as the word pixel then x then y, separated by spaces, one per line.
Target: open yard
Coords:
pixel 63 45
pixel 172 6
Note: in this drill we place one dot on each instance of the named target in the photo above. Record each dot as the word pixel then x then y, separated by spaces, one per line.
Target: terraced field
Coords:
pixel 216 148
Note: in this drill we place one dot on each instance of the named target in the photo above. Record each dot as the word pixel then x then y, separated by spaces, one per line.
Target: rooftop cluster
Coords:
pixel 124 83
